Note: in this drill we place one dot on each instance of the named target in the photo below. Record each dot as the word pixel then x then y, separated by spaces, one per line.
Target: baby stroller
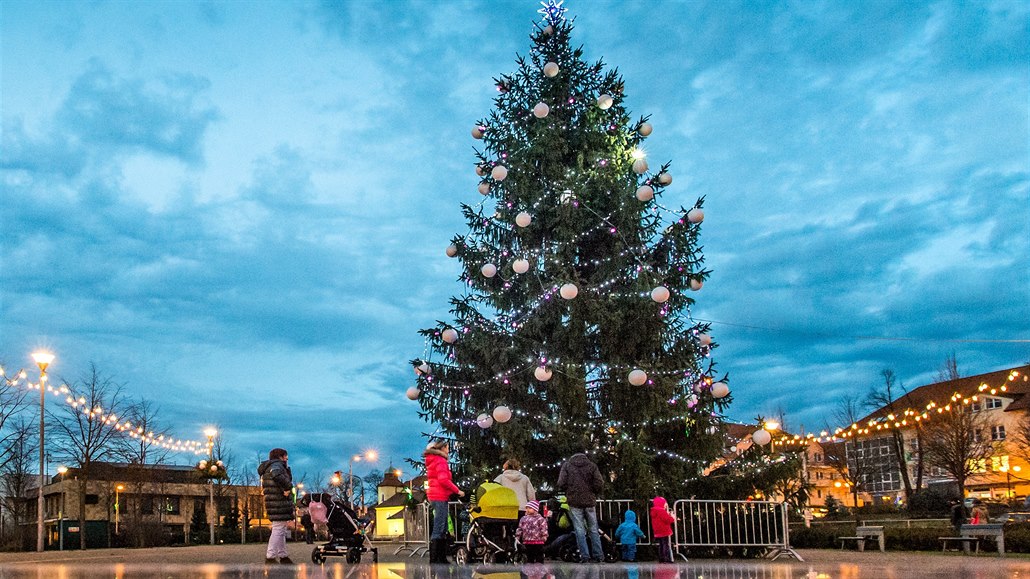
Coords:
pixel 561 540
pixel 348 534
pixel 491 535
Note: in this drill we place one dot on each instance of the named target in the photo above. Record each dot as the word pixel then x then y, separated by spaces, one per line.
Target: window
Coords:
pixel 146 504
pixel 170 505
pixel 819 494
pixel 992 403
pixel 997 433
pixel 977 436
pixel 998 463
pixel 91 499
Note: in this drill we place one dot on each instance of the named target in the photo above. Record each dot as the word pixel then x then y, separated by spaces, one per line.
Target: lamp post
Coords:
pixel 42 359
pixel 117 507
pixel 61 470
pixel 370 455
pixel 210 433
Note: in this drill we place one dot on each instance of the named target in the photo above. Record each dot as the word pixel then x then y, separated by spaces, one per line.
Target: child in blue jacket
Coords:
pixel 627 534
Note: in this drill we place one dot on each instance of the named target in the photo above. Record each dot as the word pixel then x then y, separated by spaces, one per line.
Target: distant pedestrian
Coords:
pixel 627 534
pixel 277 487
pixel 661 528
pixel 441 487
pixel 979 516
pixel 532 532
pixel 514 479
pixel 581 480
pixel 958 515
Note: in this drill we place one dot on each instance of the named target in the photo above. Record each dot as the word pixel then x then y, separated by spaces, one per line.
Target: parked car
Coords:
pixel 1017 517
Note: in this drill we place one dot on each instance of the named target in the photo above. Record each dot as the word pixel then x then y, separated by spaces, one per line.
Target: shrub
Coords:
pixel 929 504
pixel 820 536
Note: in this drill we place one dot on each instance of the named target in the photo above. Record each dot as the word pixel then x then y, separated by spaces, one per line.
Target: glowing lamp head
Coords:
pixel 371 455
pixel 42 359
pixel 120 487
pixel 62 469
pixel 210 432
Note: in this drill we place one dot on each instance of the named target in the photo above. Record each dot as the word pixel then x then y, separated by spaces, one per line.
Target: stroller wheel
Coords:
pixel 461 557
pixel 353 556
pixel 317 557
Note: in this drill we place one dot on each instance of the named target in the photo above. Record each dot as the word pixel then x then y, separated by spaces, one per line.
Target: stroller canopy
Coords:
pixel 494 501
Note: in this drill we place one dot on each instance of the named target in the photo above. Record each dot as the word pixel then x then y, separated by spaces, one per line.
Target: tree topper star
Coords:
pixel 553 11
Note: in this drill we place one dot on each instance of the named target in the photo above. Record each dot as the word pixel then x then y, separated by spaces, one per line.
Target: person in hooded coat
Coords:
pixel 662 522
pixel 277 488
pixel 441 487
pixel 515 480
pixel 581 480
pixel 627 534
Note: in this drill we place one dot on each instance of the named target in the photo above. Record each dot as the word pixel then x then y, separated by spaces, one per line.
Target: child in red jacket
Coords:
pixel 532 532
pixel 661 528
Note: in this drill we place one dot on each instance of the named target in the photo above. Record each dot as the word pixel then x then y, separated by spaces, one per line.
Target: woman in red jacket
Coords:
pixel 441 487
pixel 661 527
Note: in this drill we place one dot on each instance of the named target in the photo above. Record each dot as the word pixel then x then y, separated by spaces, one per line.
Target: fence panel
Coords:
pixel 416 531
pixel 706 523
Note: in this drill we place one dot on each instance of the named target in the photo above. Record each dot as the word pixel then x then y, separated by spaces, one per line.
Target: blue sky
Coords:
pixel 239 210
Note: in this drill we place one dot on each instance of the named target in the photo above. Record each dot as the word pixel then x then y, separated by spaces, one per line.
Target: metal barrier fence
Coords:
pixel 416 531
pixel 760 524
pixel 699 524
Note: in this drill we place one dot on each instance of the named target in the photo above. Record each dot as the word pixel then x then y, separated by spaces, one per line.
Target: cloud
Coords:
pixel 161 116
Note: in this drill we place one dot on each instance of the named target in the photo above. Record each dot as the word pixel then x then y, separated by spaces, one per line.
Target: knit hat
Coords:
pixel 535 505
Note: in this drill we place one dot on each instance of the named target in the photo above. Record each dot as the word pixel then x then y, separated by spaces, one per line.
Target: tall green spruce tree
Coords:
pixel 574 317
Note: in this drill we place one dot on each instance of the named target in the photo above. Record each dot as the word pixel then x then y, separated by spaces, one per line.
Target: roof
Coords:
pixel 1012 383
pixel 390 479
pixel 120 471
pixel 397 500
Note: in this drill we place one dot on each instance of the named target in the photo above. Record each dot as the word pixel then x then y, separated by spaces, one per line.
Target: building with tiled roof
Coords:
pixel 1004 396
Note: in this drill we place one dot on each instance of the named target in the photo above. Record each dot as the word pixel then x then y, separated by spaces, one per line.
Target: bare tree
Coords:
pixel 85 434
pixel 852 470
pixel 17 474
pixel 140 452
pixel 887 398
pixel 948 370
pixel 959 442
pixel 12 402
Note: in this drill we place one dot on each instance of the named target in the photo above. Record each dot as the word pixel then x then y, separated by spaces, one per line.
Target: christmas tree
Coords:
pixel 573 330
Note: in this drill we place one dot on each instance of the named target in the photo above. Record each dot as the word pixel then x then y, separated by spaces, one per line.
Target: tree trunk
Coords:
pixel 82 512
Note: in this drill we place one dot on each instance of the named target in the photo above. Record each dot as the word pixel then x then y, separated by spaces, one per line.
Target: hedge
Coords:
pixel 1017 537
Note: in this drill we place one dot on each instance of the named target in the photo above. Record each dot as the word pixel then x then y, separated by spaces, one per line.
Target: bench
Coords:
pixel 994 531
pixel 963 540
pixel 863 534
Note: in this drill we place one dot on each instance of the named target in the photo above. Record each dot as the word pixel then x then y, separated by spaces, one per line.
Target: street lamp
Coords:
pixel 210 433
pixel 42 360
pixel 370 455
pixel 61 470
pixel 117 507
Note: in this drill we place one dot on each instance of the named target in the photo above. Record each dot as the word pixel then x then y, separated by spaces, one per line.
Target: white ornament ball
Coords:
pixel 645 193
pixel 695 215
pixel 484 188
pixel 568 291
pixel 541 110
pixel 489 270
pixel 203 464
pixel 542 373
pixel 484 421
pixel 551 69
pixel 520 266
pixel 452 250
pixel 665 179
pixel 412 393
pixel 645 129
pixel 705 339
pixel 696 284
pixel 477 132
pixel 720 389
pixel 480 171
pixel 502 414
pixel 499 172
pixel 660 294
pixel 549 30
pixel 761 437
pixel 425 368
pixel 523 219
pixel 640 166
pixel 637 377
pixel 450 335
pixel 604 102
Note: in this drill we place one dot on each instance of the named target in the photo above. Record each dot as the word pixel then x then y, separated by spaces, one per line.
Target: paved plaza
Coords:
pixel 245 561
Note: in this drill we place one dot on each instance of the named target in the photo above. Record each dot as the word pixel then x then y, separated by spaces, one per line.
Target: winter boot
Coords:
pixel 434 551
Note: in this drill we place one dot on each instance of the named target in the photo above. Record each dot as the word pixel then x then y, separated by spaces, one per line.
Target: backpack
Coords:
pixel 318 513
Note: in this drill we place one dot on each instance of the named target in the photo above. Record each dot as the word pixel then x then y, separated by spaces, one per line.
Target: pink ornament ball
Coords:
pixel 645 129
pixel 695 215
pixel 502 414
pixel 484 188
pixel 720 389
pixel 520 266
pixel 551 69
pixel 660 294
pixel 568 291
pixel 604 102
pixel 665 179
pixel 488 270
pixel 645 193
pixel 484 421
pixel 640 166
pixel 637 377
pixel 450 335
pixel 523 219
pixel 696 284
pixel 452 250
pixel 412 393
pixel 478 132
pixel 542 373
pixel 541 110
pixel 499 173
pixel 761 437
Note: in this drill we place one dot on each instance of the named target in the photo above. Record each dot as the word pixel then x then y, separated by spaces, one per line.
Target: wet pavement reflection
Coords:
pixel 951 568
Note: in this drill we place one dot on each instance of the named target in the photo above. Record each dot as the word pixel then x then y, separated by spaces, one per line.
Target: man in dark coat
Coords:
pixel 277 486
pixel 581 481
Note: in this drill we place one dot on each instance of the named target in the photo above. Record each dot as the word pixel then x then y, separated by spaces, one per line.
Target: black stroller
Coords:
pixel 348 534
